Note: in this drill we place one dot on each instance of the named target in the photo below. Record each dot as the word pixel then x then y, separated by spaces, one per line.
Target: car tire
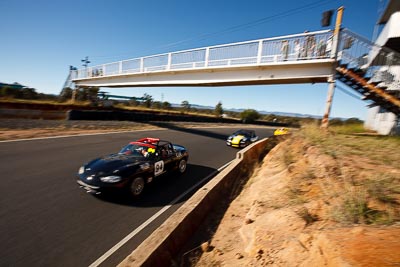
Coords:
pixel 182 165
pixel 136 186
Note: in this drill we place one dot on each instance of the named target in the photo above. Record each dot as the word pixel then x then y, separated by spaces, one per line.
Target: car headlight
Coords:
pixel 243 140
pixel 110 179
pixel 81 170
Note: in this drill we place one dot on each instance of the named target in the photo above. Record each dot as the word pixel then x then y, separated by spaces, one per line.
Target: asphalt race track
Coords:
pixel 47 220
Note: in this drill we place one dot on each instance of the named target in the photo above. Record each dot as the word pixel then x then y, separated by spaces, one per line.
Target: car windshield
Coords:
pixel 137 150
pixel 242 132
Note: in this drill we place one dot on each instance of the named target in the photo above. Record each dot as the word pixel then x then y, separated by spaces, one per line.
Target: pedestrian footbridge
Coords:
pixel 265 61
pixel 312 57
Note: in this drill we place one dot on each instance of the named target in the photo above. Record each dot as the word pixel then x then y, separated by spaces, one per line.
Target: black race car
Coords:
pixel 241 138
pixel 134 166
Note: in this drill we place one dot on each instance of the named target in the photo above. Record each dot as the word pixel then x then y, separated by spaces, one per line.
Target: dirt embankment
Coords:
pixel 303 207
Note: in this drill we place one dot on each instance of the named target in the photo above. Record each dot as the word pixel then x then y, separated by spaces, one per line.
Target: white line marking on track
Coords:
pixel 152 218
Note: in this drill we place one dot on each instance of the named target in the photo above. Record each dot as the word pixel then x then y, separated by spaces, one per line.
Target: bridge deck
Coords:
pixel 299 58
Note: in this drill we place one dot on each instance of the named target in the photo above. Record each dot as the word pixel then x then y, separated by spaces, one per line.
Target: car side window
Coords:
pixel 170 149
pixel 163 152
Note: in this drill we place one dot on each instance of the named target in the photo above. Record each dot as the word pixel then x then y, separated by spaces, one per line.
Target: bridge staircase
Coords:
pixel 69 83
pixel 370 70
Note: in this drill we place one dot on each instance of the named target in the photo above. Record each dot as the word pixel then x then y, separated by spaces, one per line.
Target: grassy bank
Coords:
pixel 366 175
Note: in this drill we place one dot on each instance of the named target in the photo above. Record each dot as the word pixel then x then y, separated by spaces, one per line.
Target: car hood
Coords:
pixel 179 148
pixel 237 138
pixel 111 163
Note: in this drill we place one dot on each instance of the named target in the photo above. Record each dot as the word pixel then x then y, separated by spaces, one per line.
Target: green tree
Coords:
pixel 65 94
pixel 18 92
pixel 81 94
pixel 28 93
pixel 166 105
pixel 92 93
pixel 157 105
pixel 185 105
pixel 87 94
pixel 249 115
pixel 147 100
pixel 7 91
pixel 218 111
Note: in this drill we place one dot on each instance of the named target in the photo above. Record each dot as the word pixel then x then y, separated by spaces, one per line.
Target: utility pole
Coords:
pixel 85 61
pixel 331 79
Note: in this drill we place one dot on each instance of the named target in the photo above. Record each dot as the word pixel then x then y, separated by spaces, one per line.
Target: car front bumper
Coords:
pixel 104 187
pixel 235 145
pixel 89 188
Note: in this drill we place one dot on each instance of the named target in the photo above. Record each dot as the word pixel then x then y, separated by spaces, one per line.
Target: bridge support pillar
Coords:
pixel 331 91
pixel 331 80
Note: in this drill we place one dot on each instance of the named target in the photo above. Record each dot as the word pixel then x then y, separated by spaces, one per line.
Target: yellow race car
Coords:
pixel 241 138
pixel 281 131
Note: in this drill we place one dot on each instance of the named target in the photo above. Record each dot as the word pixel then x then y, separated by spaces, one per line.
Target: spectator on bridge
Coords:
pixel 297 49
pixel 310 44
pixel 321 49
pixel 285 50
pixel 329 46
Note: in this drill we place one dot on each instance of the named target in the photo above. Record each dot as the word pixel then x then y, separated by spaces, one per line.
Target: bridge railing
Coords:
pixel 304 46
pixel 381 64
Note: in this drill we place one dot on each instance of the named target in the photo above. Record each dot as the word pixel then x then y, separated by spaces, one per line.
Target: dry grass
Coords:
pixel 369 179
pixel 341 141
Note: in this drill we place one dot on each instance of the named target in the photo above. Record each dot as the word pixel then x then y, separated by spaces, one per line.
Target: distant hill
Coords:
pixel 263 112
pixel 279 113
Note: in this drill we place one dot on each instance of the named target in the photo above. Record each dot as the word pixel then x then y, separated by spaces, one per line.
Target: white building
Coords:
pixel 387 34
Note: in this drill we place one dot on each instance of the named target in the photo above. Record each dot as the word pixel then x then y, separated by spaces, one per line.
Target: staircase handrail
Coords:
pixel 381 64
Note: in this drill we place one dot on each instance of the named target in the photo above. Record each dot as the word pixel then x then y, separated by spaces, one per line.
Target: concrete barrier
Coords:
pixel 32 114
pixel 65 112
pixel 142 116
pixel 164 243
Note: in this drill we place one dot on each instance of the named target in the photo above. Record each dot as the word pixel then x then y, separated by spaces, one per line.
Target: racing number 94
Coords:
pixel 158 167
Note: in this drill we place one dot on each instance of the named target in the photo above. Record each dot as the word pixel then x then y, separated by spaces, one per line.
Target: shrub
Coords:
pixel 249 115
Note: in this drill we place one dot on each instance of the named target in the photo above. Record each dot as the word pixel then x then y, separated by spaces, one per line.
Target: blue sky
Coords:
pixel 41 38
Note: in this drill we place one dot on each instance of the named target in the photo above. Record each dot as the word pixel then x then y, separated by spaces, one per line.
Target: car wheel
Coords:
pixel 182 166
pixel 137 186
